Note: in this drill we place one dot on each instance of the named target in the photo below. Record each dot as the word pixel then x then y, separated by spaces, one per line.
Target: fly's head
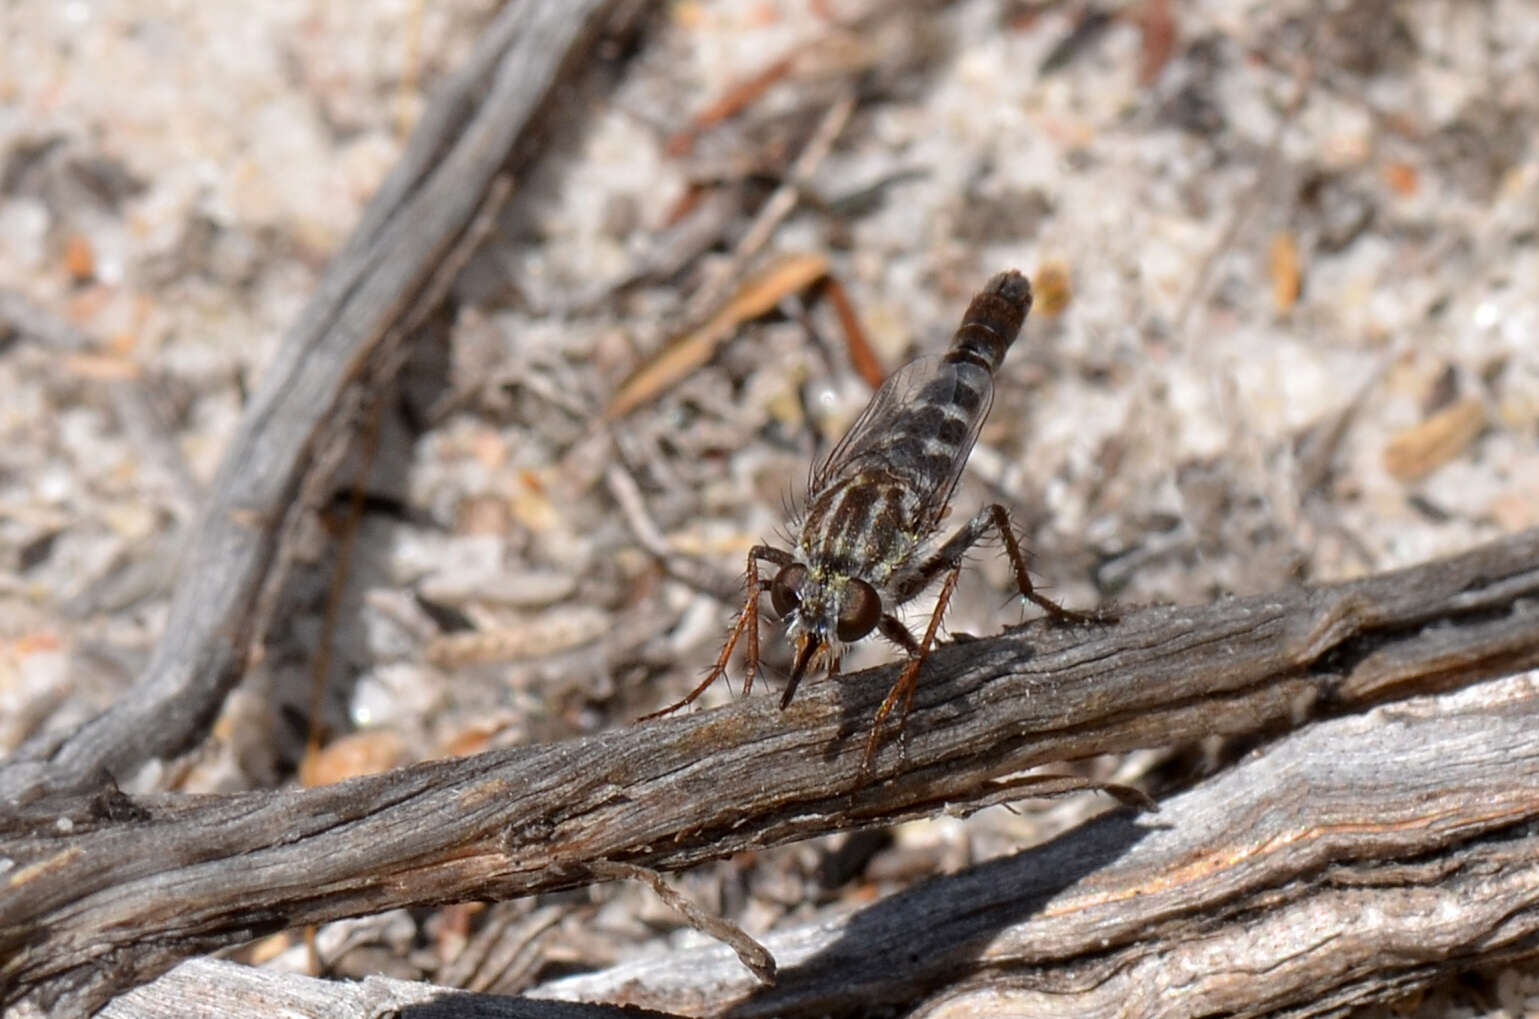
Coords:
pixel 823 610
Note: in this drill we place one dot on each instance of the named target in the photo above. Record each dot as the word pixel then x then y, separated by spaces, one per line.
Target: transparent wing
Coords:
pixel 892 430
pixel 887 406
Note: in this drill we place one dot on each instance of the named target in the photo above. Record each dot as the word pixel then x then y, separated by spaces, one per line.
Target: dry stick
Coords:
pixel 698 574
pixel 514 956
pixel 346 538
pixel 104 892
pixel 749 952
pixel 485 122
pixel 1246 894
pixel 778 207
pixel 388 362
pixel 19 314
pixel 213 987
pixel 862 358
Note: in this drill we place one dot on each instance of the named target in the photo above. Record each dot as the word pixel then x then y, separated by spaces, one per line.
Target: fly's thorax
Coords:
pixel 864 527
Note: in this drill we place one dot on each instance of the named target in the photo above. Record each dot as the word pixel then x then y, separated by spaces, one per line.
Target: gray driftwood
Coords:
pixel 232 991
pixel 479 133
pixel 1309 878
pixel 105 892
pixel 1353 861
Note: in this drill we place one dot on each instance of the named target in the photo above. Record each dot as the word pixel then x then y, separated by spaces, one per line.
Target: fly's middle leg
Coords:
pixel 908 680
pixel 948 560
pixel 1000 518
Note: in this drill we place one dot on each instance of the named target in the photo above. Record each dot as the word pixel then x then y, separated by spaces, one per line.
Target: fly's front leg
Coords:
pixel 769 555
pixel 908 584
pixel 748 620
pixel 948 559
pixel 905 587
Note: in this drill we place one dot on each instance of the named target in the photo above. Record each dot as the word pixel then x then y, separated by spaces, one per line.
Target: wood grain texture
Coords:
pixel 390 277
pixel 210 987
pixel 1350 862
pixel 105 892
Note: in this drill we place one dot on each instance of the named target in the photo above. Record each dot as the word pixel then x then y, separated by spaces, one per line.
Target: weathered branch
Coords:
pixel 1351 862
pixel 385 281
pixel 104 893
pixel 233 991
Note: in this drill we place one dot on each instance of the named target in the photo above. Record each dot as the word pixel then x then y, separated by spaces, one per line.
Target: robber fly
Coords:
pixel 875 503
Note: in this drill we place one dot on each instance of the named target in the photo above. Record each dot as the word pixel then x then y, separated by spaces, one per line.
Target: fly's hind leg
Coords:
pixel 948 559
pixel 747 621
pixel 951 554
pixel 997 517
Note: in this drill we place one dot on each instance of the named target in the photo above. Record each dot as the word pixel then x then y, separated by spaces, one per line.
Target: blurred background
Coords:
pixel 1287 330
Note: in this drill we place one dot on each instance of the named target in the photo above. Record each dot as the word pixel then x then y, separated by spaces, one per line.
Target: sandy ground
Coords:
pixel 1289 256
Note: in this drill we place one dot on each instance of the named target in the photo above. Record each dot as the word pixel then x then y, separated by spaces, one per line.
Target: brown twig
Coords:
pixel 862 358
pixel 684 355
pixel 749 952
pixel 780 204
pixel 738 97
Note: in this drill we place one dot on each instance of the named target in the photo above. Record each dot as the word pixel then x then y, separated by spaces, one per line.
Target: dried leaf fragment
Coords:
pixel 862 357
pixel 678 359
pixel 1053 287
pixel 102 367
pixel 79 258
pixel 550 633
pixel 1287 273
pixel 737 98
pixel 1157 25
pixel 1402 179
pixel 1423 448
pixel 365 752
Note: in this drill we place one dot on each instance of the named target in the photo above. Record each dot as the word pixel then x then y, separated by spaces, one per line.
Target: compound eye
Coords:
pixel 786 589
pixel 859 613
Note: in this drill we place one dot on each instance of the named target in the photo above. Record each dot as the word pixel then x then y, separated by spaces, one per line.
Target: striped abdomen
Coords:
pixel 992 321
pixel 885 486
